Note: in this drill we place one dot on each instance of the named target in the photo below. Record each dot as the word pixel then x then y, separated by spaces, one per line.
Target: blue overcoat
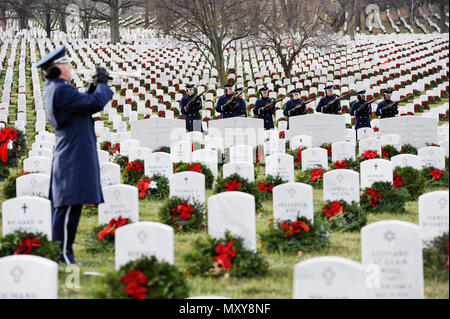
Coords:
pixel 384 112
pixel 333 109
pixel 362 117
pixel 289 109
pixel 75 176
pixel 228 111
pixel 267 114
pixel 191 113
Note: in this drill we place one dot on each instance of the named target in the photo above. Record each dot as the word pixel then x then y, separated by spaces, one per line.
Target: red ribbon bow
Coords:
pixel 183 210
pixel 335 209
pixel 6 135
pixel 136 284
pixel 295 228
pixel 436 174
pixel 232 186
pixel 385 153
pixel 373 197
pixel 398 181
pixel 299 155
pixel 25 247
pixel 340 165
pixel 113 225
pixel 195 168
pixel 225 254
pixel 134 166
pixel 316 174
pixel 370 154
pixel 265 187
pixel 143 186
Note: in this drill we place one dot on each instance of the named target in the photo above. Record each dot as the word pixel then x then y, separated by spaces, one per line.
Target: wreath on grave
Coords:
pixel 297 153
pixel 436 177
pixel 435 258
pixel 90 210
pixel 225 256
pixel 10 156
pixel 164 149
pixel 181 215
pixel 409 149
pixel 342 216
pixel 196 167
pixel 411 179
pixel 121 160
pixel 133 172
pixel 327 146
pixel 265 186
pixel 144 278
pixel 155 187
pixel 9 186
pixel 102 237
pixel 313 177
pixel 368 155
pixel 383 197
pixel 236 183
pixel 297 236
pixel 389 151
pixel 24 243
pixel 346 164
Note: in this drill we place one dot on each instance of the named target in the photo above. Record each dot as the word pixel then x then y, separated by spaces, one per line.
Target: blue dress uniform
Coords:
pixel 267 114
pixel 238 108
pixel 291 105
pixel 332 109
pixel 75 175
pixel 384 112
pixel 362 117
pixel 191 113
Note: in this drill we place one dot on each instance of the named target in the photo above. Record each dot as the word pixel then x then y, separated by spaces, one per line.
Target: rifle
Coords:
pixel 338 99
pixel 195 99
pixel 398 102
pixel 272 103
pixel 232 99
pixel 367 103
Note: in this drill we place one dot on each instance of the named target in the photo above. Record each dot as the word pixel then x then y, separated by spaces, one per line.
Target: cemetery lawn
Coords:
pixel 277 284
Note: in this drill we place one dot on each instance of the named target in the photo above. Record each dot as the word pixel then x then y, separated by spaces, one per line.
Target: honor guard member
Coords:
pixel 236 108
pixel 329 96
pixel 384 110
pixel 191 110
pixel 360 112
pixel 263 112
pixel 295 106
pixel 75 174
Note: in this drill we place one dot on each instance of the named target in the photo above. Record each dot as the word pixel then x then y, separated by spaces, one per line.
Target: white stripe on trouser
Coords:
pixel 66 235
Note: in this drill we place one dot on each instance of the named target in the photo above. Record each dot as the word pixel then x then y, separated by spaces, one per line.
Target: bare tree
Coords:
pixel 291 26
pixel 210 25
pixel 45 13
pixel 111 14
pixel 22 10
pixel 3 16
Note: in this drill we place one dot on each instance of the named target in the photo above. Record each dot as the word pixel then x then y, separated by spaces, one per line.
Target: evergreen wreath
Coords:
pixel 163 149
pixel 411 179
pixel 347 163
pixel 388 151
pixel 328 147
pixel 313 177
pixel 25 243
pixel 102 237
pixel 342 216
pixel 383 197
pixel 226 256
pixel 297 153
pixel 237 183
pixel 153 188
pixel 11 157
pixel 9 186
pixel 436 177
pixel 435 258
pixel 183 216
pixel 133 172
pixel 265 186
pixel 409 149
pixel 291 237
pixel 368 155
pixel 144 278
pixel 196 167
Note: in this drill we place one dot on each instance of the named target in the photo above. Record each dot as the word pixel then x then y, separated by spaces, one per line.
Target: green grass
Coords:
pixel 277 284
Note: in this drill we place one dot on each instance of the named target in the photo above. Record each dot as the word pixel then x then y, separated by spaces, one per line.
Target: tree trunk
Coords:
pixel 442 15
pixel 23 19
pixel 48 24
pixel 86 25
pixel 358 18
pixel 220 64
pixel 147 11
pixel 114 24
pixel 62 22
pixel 2 16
